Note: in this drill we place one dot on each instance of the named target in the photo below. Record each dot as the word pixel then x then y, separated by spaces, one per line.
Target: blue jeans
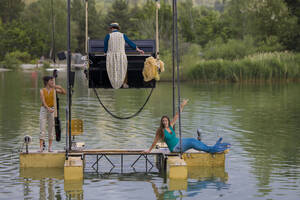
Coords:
pixel 192 143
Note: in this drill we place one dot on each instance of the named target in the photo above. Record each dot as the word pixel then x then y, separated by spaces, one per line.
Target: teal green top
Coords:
pixel 170 139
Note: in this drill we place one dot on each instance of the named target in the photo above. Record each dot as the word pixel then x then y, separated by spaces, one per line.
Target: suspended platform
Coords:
pixel 97 73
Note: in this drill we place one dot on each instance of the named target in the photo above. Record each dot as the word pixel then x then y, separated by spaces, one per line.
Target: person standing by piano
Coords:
pixel 116 59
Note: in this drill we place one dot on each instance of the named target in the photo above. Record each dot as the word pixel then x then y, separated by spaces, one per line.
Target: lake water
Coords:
pixel 261 121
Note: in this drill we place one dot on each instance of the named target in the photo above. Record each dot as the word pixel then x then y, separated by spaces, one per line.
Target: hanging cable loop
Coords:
pixel 118 117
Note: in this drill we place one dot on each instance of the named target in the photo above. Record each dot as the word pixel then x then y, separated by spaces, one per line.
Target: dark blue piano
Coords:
pixel 97 74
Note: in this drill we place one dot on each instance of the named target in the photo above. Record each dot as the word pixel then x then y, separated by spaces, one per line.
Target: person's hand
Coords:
pixel 184 102
pixel 146 151
pixel 140 51
pixel 51 110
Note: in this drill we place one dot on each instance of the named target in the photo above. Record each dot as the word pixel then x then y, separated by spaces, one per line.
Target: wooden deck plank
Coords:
pixel 121 152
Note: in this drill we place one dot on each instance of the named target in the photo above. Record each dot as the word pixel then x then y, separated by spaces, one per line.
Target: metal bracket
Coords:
pixel 146 159
pixel 99 158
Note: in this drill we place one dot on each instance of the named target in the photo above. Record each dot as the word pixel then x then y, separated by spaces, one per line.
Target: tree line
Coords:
pixel 253 25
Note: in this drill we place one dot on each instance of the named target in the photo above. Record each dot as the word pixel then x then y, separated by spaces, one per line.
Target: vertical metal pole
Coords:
pixel 173 58
pixel 86 26
pixel 53 30
pixel 121 163
pixel 178 76
pixel 156 30
pixel 67 131
pixel 68 74
pixel 97 163
pixel 146 158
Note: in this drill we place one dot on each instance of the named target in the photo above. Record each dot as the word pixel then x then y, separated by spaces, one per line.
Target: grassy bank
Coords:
pixel 188 59
pixel 276 66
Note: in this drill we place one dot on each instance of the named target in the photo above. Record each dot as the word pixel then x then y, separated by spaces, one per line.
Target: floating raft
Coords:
pixel 167 163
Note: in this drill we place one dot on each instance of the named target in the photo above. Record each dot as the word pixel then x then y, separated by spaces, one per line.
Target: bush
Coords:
pixel 46 64
pixel 13 60
pixel 270 45
pixel 233 49
pixel 190 55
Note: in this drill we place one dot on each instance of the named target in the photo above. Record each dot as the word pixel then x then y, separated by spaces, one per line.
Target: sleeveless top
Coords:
pixel 49 97
pixel 170 139
pixel 116 59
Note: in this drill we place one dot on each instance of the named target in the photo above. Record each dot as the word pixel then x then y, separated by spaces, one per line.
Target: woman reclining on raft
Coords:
pixel 166 133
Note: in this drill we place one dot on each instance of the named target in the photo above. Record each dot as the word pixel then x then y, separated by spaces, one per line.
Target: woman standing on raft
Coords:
pixel 166 133
pixel 47 110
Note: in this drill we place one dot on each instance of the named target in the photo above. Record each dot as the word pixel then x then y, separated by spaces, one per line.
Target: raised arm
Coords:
pixel 60 89
pixel 184 102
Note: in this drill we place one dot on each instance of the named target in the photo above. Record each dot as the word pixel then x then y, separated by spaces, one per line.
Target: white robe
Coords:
pixel 116 60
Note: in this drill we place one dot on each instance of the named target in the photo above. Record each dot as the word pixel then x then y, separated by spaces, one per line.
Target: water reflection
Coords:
pixel 49 181
pixel 74 189
pixel 199 178
pixel 46 179
pixel 271 116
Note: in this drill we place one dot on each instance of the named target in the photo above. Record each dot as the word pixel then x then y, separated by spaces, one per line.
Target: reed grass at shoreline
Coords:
pixel 275 66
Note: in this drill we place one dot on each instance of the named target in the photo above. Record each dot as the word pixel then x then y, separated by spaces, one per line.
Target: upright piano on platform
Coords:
pixel 97 73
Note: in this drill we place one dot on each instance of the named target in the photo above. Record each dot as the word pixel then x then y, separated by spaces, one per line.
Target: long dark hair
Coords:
pixel 160 130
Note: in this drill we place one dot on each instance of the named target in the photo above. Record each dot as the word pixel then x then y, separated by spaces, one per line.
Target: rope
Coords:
pixel 156 27
pixel 157 36
pixel 118 117
pixel 178 75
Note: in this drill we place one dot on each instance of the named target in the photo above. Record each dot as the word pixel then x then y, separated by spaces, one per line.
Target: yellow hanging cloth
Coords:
pixel 152 67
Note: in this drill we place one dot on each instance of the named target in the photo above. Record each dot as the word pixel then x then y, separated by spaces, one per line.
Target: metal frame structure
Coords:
pixel 176 61
pixel 105 155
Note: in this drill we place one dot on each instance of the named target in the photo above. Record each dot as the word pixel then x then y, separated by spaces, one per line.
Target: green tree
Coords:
pixel 119 13
pixel 14 37
pixel 188 14
pixel 165 23
pixel 207 26
pixel 261 19
pixel 10 10
pixel 21 36
pixel 95 27
pixel 38 16
pixel 144 21
pixel 200 24
pixel 294 7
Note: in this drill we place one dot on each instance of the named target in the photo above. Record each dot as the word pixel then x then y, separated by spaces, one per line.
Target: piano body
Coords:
pixel 98 77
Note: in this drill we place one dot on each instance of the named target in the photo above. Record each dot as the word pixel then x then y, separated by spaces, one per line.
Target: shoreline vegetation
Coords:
pixel 259 67
pixel 275 66
pixel 223 41
pixel 268 66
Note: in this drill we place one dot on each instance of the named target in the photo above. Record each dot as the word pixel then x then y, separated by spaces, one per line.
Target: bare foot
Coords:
pixel 50 150
pixel 125 85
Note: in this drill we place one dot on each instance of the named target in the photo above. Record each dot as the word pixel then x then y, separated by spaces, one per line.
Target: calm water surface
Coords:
pixel 262 122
